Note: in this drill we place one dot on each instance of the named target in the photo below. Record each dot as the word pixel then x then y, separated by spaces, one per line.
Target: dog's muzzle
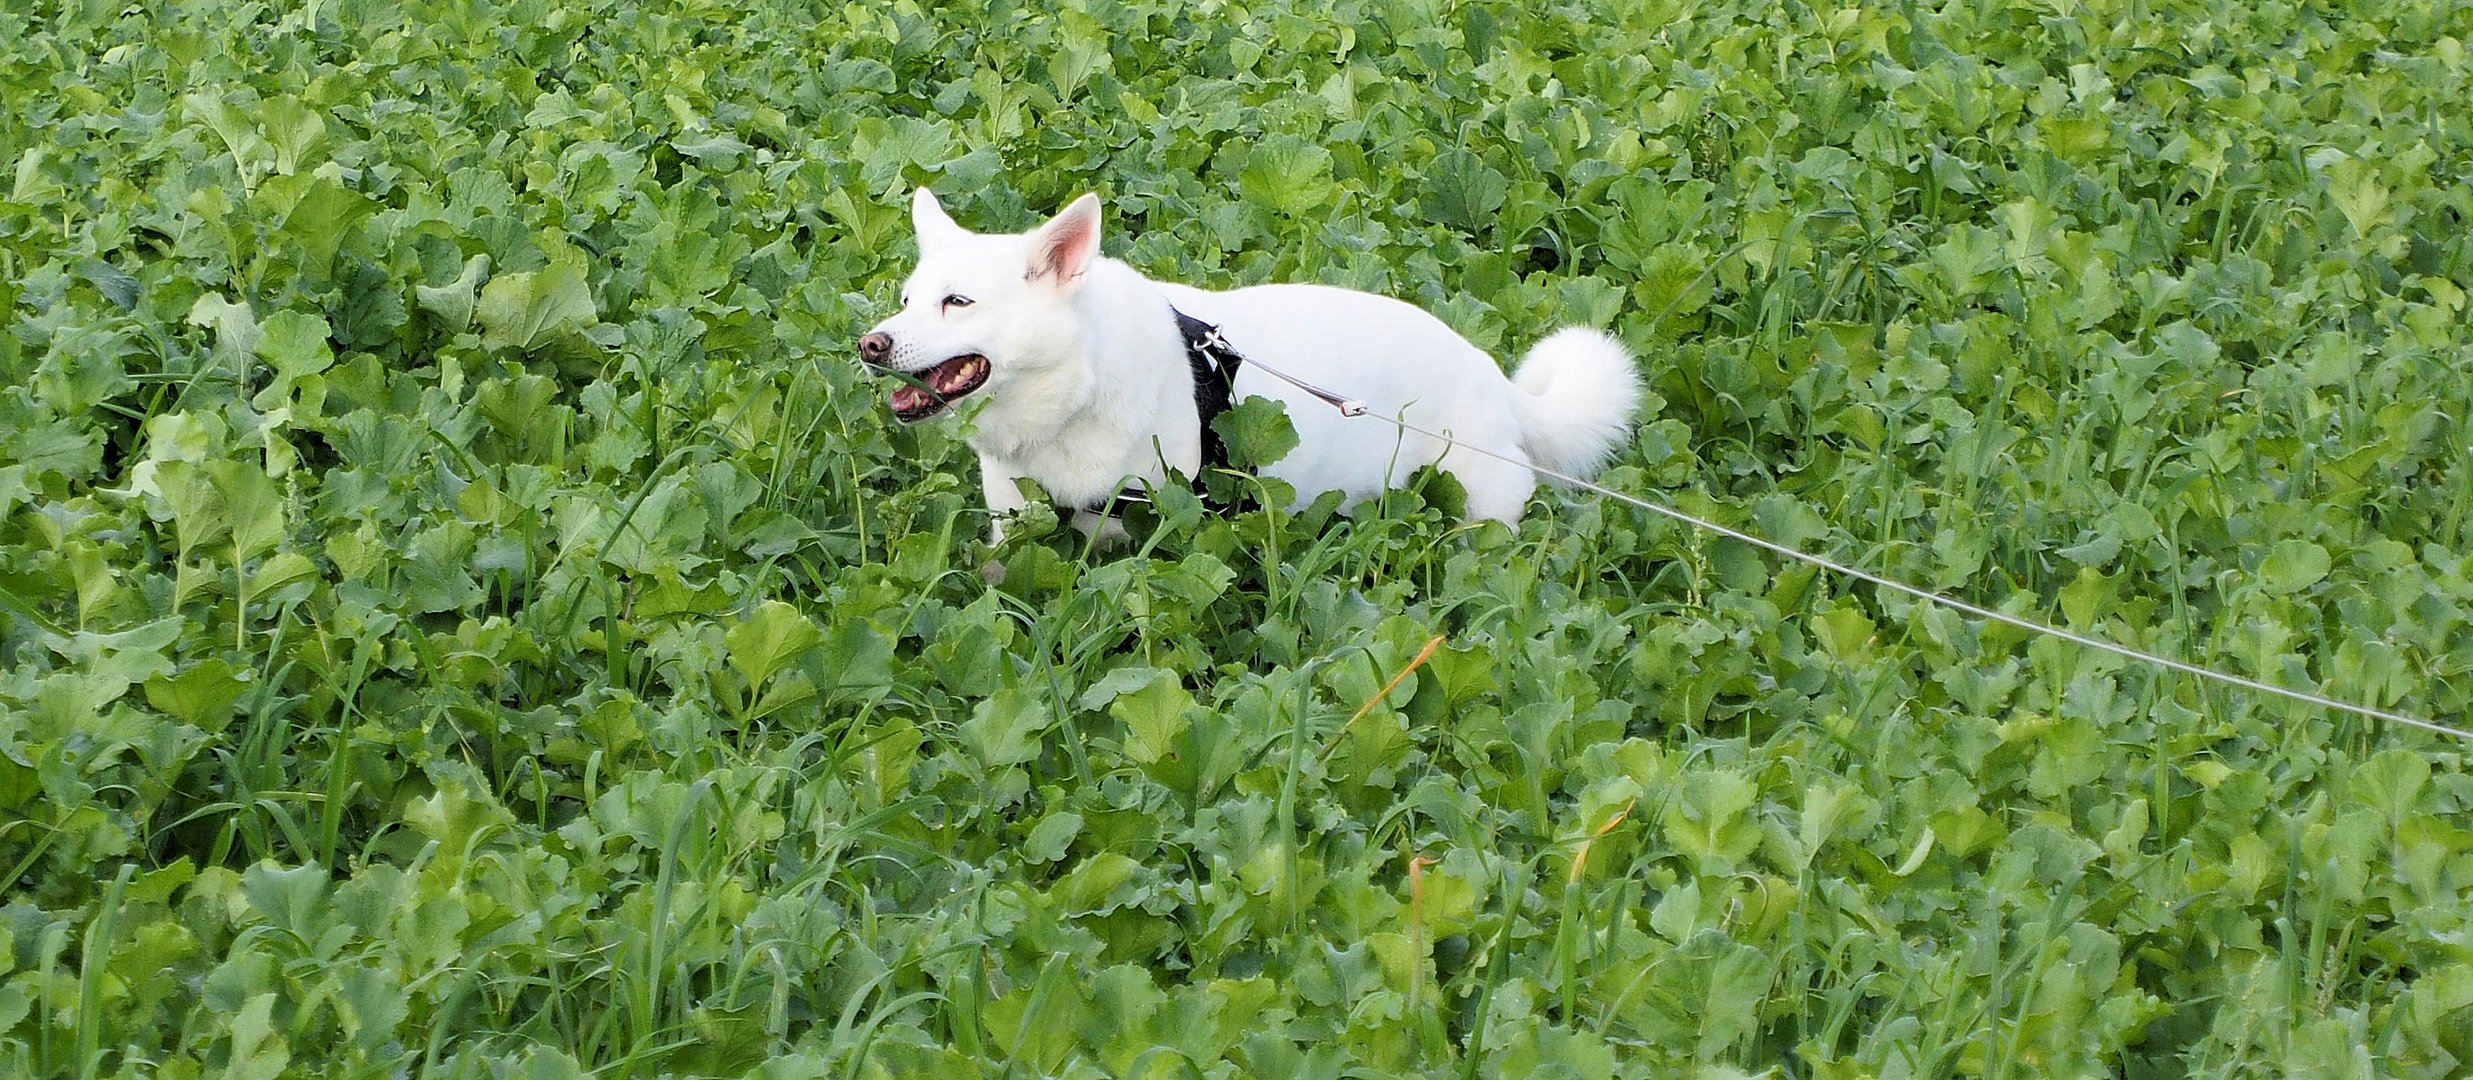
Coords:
pixel 875 348
pixel 928 391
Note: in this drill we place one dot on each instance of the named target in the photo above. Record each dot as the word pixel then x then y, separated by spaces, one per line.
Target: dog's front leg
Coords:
pixel 1105 529
pixel 1004 496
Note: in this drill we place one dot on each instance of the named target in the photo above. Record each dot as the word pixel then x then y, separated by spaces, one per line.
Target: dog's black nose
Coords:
pixel 875 347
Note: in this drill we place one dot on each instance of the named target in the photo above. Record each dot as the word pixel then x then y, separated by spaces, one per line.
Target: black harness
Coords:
pixel 1214 363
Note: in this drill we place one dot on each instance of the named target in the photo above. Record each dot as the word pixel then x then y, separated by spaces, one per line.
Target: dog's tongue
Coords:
pixel 907 399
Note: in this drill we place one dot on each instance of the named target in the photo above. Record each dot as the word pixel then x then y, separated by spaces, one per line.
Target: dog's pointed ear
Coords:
pixel 929 220
pixel 1062 249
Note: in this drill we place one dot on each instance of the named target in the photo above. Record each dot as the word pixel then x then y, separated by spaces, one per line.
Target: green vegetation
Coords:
pixel 462 612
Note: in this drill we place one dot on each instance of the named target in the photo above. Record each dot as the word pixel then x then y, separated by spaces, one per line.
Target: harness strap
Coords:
pixel 1214 364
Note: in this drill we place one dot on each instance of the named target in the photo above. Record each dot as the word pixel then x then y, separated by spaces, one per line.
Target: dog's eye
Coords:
pixel 954 300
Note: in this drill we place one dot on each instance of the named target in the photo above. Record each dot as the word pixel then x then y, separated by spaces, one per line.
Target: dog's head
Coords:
pixel 982 309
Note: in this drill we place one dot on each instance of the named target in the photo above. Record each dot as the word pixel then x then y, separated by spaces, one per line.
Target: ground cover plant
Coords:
pixel 463 614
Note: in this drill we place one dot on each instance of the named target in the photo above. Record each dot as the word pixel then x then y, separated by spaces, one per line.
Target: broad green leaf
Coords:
pixel 126 656
pixel 235 326
pixel 1829 807
pixel 252 504
pixel 1006 728
pixel 1677 914
pixel 1462 191
pixel 292 900
pixel 294 128
pixel 202 695
pixel 1592 301
pixel 1788 521
pixel 2354 184
pixel 457 814
pixel 2293 565
pixel 1048 840
pixel 1540 1049
pixel 768 640
pixel 1256 431
pixel 282 578
pixel 526 310
pixel 857 655
pixel 1096 885
pixel 437 570
pixel 2391 782
pixel 258 1052
pixel 2088 596
pixel 192 501
pixel 239 136
pixel 116 285
pixel 1153 715
pixel 1707 819
pixel 885 147
pixel 455 302
pixel 1287 174
pixel 1465 672
pixel 1083 52
pixel 1845 632
pixel 317 213
pixel 373 1003
pixel 1674 287
pixel 296 346
pixel 550 1063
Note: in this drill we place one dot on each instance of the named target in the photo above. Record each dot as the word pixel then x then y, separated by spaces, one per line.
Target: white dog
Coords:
pixel 1089 384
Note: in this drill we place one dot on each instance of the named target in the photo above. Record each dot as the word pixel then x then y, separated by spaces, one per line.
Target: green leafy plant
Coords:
pixel 463 610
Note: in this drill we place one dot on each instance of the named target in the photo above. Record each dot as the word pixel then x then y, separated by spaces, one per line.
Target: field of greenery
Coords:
pixel 464 613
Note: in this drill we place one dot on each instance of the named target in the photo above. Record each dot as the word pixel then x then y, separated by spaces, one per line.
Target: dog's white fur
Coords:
pixel 1089 387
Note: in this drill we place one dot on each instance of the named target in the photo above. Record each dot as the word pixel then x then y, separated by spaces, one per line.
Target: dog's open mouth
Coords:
pixel 937 387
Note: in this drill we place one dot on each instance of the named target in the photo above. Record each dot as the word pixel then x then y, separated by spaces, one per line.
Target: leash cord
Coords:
pixel 1351 407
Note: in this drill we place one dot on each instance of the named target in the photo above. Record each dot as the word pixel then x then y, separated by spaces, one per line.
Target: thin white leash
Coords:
pixel 1352 408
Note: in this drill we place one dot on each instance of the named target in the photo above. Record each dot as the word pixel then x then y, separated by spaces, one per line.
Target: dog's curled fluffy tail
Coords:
pixel 1579 393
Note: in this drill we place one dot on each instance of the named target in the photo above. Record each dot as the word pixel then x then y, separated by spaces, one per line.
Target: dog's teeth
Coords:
pixel 951 379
